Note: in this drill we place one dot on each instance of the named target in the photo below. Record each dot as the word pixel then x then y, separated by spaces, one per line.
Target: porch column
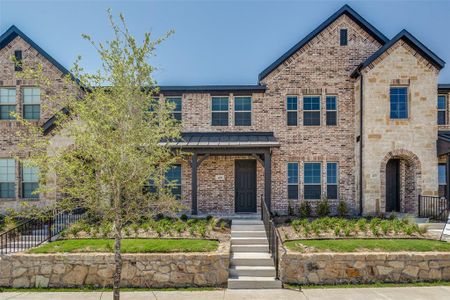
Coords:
pixel 447 177
pixel 268 179
pixel 194 183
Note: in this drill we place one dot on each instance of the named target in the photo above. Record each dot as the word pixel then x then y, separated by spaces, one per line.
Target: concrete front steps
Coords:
pixel 251 266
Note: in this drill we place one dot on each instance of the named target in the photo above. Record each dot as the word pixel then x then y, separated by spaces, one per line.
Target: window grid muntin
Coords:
pixel 31 103
pixel 292 173
pixel 7 178
pixel 331 110
pixel 173 178
pixel 177 110
pixel 311 111
pixel 312 175
pixel 219 108
pixel 243 111
pixel 292 110
pixel 8 103
pixel 30 181
pixel 399 102
pixel 442 109
pixel 332 180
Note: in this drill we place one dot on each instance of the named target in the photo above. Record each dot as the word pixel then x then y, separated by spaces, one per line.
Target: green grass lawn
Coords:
pixel 355 245
pixel 128 246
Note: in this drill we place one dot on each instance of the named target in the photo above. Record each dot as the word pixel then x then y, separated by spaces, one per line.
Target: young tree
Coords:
pixel 112 126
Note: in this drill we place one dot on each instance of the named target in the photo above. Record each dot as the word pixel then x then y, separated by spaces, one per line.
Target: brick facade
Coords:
pixel 321 67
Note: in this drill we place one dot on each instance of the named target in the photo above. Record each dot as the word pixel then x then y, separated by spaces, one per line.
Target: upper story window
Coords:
pixel 292 181
pixel 7 103
pixel 31 103
pixel 312 176
pixel 311 111
pixel 292 110
pixel 331 110
pixel 332 182
pixel 219 111
pixel 243 111
pixel 30 181
pixel 442 110
pixel 7 178
pixel 176 112
pixel 399 102
pixel 173 178
pixel 18 60
pixel 343 37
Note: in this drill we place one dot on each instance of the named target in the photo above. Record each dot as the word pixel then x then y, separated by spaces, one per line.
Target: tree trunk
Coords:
pixel 117 254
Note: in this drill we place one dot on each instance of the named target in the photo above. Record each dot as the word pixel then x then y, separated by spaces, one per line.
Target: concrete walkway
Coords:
pixel 410 293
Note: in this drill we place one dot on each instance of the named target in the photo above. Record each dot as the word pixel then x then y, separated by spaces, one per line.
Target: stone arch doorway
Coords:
pixel 401 175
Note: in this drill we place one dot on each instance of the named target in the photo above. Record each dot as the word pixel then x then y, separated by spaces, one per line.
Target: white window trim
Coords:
pixel 443 109
pixel 331 110
pixel 291 110
pixel 220 111
pixel 250 111
pixel 337 177
pixel 298 179
pixel 312 110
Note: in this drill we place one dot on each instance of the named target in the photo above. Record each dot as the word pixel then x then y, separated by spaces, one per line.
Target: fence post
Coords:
pixel 50 229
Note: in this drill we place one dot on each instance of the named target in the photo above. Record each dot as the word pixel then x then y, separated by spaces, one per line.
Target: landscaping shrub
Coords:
pixel 305 209
pixel 290 209
pixel 336 226
pixel 342 209
pixel 323 208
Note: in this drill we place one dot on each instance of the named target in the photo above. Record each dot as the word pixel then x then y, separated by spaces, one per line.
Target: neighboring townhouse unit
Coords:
pixel 346 114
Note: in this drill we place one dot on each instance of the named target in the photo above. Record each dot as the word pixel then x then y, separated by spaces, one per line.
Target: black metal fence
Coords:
pixel 34 232
pixel 272 235
pixel 435 208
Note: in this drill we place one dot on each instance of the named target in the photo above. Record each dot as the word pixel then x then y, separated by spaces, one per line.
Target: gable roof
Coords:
pixel 411 41
pixel 14 32
pixel 347 10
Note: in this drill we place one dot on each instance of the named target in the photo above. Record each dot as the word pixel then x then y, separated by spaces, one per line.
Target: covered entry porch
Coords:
pixel 229 171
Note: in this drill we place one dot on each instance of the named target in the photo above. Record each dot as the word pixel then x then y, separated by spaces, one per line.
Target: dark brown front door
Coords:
pixel 245 186
pixel 393 185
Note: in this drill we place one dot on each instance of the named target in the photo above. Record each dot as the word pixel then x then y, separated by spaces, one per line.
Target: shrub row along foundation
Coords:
pixel 96 269
pixel 335 268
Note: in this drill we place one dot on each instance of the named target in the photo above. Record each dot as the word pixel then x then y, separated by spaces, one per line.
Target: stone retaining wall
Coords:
pixel 96 269
pixel 335 268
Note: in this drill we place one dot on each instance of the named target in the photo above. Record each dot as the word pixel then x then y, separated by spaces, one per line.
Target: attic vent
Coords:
pixel 18 60
pixel 343 37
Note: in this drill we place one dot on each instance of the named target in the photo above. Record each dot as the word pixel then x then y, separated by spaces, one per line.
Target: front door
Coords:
pixel 245 186
pixel 393 185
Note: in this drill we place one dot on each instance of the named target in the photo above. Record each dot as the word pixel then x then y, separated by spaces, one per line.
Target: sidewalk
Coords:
pixel 410 293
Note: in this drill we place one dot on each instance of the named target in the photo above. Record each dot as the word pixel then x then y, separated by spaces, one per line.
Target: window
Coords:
pixel 18 60
pixel 292 107
pixel 30 181
pixel 442 168
pixel 178 108
pixel 312 176
pixel 332 182
pixel 7 178
pixel 219 111
pixel 399 103
pixel 343 37
pixel 442 110
pixel 7 103
pixel 243 111
pixel 31 103
pixel 331 110
pixel 311 111
pixel 293 181
pixel 173 179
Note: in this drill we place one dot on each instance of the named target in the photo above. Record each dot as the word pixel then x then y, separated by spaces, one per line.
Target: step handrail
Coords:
pixel 272 236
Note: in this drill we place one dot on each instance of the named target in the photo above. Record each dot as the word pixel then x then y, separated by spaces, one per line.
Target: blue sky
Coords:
pixel 215 42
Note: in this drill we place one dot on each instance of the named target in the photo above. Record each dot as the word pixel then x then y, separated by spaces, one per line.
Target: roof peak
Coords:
pixel 345 9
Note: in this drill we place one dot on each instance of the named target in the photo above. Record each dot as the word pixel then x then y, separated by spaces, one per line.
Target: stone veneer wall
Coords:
pixel 96 269
pixel 412 140
pixel 335 268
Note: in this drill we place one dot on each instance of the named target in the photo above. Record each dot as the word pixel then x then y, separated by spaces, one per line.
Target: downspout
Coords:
pixel 360 143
